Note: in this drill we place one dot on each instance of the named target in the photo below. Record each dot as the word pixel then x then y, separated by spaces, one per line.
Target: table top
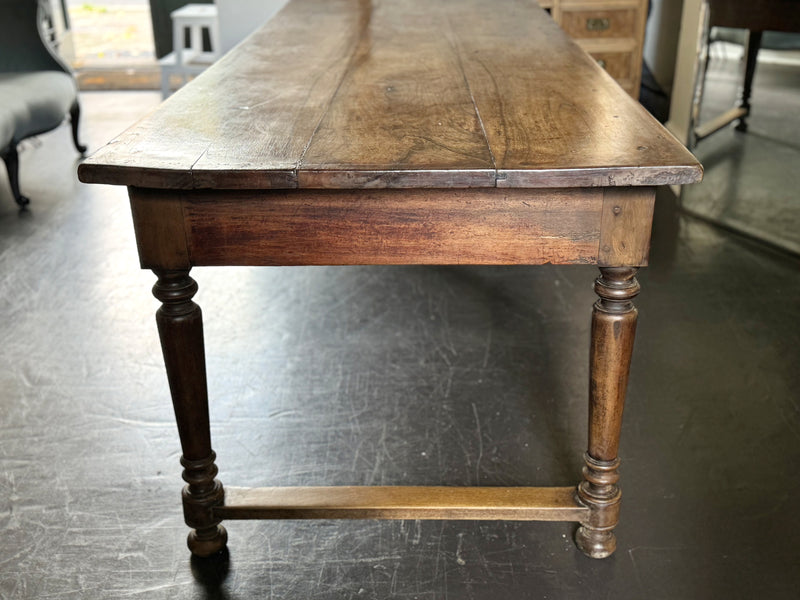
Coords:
pixel 398 94
pixel 757 15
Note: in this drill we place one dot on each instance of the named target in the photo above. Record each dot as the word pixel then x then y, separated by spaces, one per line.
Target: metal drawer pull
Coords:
pixel 597 24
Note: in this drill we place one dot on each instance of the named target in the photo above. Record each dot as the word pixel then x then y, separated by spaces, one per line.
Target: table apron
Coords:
pixel 179 229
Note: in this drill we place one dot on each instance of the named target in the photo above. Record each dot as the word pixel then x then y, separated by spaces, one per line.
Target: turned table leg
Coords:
pixel 753 46
pixel 613 329
pixel 180 327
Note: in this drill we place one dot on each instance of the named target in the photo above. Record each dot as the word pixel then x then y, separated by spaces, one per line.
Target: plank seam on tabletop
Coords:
pixel 454 46
pixel 345 73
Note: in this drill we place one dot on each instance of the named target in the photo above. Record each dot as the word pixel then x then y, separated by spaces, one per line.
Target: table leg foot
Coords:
pixel 594 543
pixel 201 495
pixel 595 537
pixel 207 542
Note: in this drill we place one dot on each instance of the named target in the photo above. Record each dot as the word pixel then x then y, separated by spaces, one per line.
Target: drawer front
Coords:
pixel 588 24
pixel 631 87
pixel 618 64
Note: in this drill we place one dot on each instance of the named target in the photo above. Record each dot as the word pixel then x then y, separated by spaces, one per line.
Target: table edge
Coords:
pixel 181 179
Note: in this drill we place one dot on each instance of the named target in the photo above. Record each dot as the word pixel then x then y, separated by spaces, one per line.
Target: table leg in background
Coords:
pixel 751 58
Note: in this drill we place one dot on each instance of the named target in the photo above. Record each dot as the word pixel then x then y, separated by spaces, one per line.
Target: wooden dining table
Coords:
pixel 374 132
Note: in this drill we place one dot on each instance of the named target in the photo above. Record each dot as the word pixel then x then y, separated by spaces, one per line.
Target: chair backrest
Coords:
pixel 21 45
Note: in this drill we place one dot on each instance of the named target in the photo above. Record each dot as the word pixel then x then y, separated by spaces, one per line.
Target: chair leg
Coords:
pixel 11 158
pixel 75 117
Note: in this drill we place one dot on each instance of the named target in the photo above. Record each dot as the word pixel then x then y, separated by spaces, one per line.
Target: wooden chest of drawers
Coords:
pixel 612 31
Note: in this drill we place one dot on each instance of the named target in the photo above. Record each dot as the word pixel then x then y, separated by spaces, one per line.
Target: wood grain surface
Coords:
pixel 625 227
pixel 159 228
pixel 335 227
pixel 403 502
pixel 398 93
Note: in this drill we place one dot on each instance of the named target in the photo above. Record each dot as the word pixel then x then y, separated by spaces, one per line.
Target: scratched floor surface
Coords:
pixel 397 375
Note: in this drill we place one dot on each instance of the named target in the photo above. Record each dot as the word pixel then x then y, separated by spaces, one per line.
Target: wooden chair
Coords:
pixel 37 91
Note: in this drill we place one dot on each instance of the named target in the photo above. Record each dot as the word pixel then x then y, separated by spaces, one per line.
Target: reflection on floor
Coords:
pixel 391 375
pixel 752 178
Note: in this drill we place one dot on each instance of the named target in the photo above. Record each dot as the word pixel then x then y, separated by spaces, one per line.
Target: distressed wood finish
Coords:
pixel 397 113
pixel 180 327
pixel 401 502
pixel 613 330
pixel 159 227
pixel 625 227
pixel 353 93
pixel 397 132
pixel 395 227
pixel 608 227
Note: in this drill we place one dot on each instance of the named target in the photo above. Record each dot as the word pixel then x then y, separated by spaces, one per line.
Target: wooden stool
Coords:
pixel 191 60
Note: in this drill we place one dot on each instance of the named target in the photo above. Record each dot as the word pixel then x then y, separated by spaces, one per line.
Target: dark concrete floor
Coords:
pixel 396 375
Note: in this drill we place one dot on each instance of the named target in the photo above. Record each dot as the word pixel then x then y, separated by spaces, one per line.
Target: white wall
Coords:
pixel 687 69
pixel 661 40
pixel 239 18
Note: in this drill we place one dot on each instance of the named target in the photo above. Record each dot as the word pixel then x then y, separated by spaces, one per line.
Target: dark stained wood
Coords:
pixel 756 15
pixel 625 227
pixel 553 117
pixel 399 502
pixel 397 179
pixel 613 329
pixel 600 493
pixel 753 46
pixel 180 327
pixel 247 121
pixel 279 87
pixel 411 93
pixel 394 227
pixel 159 228
pixel 403 106
pixel 398 132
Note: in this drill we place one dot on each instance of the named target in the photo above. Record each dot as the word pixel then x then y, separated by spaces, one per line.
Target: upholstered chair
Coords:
pixel 37 90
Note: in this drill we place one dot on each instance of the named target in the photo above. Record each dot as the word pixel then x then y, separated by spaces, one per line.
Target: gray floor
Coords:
pixel 396 375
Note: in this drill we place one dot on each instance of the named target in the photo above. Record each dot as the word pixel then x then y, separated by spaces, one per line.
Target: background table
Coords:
pixel 756 17
pixel 697 19
pixel 398 132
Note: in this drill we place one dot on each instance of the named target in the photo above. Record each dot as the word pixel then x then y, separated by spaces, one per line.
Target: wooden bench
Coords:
pixel 399 132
